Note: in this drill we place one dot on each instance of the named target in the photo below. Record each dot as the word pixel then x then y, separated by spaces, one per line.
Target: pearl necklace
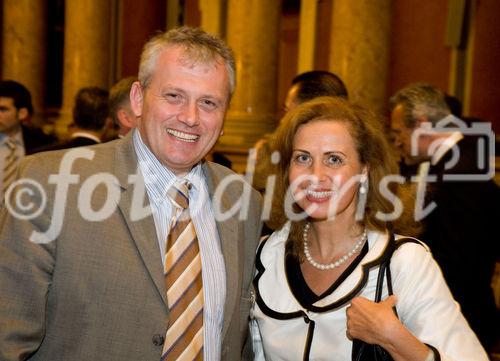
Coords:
pixel 338 262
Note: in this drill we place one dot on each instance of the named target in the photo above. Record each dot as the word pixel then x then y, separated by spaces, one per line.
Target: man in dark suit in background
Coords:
pixel 90 120
pixel 17 138
pixel 16 110
pixel 461 229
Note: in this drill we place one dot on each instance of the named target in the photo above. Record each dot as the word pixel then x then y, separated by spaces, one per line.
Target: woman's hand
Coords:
pixel 374 323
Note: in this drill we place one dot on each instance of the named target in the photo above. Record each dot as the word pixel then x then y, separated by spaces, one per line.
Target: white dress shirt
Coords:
pixel 158 180
pixel 84 134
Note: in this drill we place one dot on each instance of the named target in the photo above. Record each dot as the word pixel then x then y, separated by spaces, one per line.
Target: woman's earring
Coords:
pixel 363 184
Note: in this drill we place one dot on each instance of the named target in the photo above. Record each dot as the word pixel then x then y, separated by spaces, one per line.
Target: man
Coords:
pixel 16 138
pixel 105 288
pixel 460 229
pixel 90 119
pixel 119 106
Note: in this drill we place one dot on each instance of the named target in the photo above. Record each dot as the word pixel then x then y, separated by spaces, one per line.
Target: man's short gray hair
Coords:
pixel 198 45
pixel 420 100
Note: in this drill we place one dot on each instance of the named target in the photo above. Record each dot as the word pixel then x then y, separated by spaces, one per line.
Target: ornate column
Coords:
pixel 307 35
pixel 252 32
pixel 360 49
pixel 213 18
pixel 23 54
pixel 87 49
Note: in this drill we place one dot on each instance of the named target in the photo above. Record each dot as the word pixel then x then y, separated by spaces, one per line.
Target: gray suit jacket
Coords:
pixel 97 291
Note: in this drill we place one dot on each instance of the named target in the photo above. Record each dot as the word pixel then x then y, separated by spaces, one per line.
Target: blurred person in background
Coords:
pixel 460 229
pixel 90 119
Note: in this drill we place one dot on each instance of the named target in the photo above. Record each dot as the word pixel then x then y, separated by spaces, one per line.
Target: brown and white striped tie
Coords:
pixel 184 339
pixel 10 165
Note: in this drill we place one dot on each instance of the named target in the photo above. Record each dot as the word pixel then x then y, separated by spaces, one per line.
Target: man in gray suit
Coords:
pixel 82 277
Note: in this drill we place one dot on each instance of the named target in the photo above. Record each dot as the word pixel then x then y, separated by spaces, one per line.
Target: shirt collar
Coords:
pixel 82 134
pixel 18 137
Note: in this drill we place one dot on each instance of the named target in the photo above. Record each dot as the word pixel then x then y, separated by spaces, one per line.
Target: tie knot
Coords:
pixel 179 193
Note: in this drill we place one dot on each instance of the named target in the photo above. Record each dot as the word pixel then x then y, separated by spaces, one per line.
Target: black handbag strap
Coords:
pixel 389 277
pixel 361 351
pixel 380 281
pixel 385 266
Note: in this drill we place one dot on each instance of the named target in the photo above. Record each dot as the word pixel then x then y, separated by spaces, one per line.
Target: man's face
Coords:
pixel 181 111
pixel 10 117
pixel 402 136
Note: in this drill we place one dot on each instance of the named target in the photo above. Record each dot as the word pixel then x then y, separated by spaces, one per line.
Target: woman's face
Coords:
pixel 325 170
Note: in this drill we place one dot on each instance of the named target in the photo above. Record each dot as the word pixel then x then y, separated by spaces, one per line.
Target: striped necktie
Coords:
pixel 184 339
pixel 10 165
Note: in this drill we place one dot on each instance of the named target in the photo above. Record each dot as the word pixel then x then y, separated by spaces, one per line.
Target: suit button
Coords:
pixel 158 339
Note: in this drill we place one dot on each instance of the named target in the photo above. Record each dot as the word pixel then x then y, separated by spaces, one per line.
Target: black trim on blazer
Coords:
pixel 437 356
pixel 258 299
pixel 293 265
pixel 337 304
pixel 391 246
pixel 309 338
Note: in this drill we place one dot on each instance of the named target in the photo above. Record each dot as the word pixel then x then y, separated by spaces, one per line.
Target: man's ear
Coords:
pixel 126 118
pixel 22 114
pixel 136 98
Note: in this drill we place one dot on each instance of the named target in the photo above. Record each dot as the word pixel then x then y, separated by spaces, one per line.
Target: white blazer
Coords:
pixel 283 330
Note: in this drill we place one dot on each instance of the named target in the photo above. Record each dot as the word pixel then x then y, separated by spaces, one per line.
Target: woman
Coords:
pixel 316 276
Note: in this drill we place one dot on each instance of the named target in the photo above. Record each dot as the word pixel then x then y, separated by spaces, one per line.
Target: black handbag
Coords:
pixel 362 351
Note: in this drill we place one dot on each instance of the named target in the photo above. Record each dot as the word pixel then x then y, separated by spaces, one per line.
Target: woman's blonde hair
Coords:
pixel 373 150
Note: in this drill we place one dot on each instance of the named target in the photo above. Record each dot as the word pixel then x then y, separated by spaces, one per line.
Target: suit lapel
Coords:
pixel 143 229
pixel 228 234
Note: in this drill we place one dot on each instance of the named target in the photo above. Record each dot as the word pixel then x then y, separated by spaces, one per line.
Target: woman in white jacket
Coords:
pixel 316 276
